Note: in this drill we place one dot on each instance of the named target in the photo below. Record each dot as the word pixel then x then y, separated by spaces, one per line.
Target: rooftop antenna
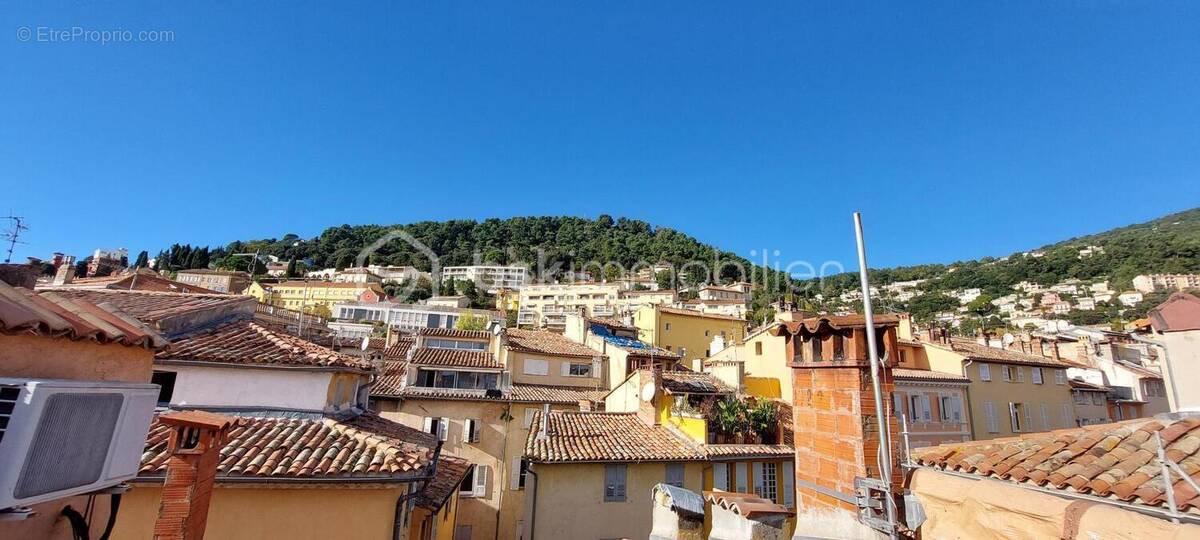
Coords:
pixel 13 233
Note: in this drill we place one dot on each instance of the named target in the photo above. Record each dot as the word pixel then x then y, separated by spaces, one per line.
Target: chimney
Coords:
pixel 835 426
pixel 1054 351
pixel 650 390
pixel 195 448
pixel 65 274
pixel 1035 346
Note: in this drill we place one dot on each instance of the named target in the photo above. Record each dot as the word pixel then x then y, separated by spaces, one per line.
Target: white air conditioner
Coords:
pixel 60 438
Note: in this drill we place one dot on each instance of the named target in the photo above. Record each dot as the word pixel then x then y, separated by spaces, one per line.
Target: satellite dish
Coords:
pixel 648 392
pixel 366 342
pixel 1008 339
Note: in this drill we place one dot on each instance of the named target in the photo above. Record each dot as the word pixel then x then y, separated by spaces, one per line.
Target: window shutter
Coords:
pixel 926 409
pixel 1066 416
pixel 989 410
pixel 985 372
pixel 565 368
pixel 514 474
pixel 756 469
pixel 467 428
pixel 481 473
pixel 529 416
pixel 428 425
pixel 898 404
pixel 1037 375
pixel 743 472
pixel 957 408
pixel 789 489
pixel 1012 416
pixel 1020 374
pixel 720 476
pixel 443 428
pixel 1028 425
pixel 1004 374
pixel 1045 417
pixel 596 368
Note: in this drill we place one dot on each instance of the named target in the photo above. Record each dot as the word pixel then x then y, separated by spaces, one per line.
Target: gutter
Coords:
pixel 204 363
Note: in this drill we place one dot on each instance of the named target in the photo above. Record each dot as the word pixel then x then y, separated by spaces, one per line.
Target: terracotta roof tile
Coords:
pixel 463 358
pixel 693 382
pixel 601 436
pixel 455 333
pixel 727 451
pixel 268 447
pixel 450 473
pixel 52 314
pixel 452 394
pixel 248 342
pixel 399 350
pixel 546 342
pixel 1109 460
pixel 1180 312
pixel 391 379
pixel 150 307
pixel 389 386
pixel 927 375
pixel 983 353
pixel 811 324
pixel 536 393
pixel 691 313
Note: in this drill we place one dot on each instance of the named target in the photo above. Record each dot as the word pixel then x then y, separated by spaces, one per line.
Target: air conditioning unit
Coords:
pixel 60 438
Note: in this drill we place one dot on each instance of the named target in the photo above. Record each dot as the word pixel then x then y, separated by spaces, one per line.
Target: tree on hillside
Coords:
pixel 926 306
pixel 291 269
pixel 142 261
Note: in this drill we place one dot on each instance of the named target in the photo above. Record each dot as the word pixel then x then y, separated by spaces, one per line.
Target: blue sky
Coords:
pixel 959 129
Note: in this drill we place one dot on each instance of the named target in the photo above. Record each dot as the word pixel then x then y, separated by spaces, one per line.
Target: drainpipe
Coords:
pixel 1166 361
pixel 533 508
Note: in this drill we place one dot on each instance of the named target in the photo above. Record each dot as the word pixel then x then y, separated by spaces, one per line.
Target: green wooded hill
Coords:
pixel 1170 244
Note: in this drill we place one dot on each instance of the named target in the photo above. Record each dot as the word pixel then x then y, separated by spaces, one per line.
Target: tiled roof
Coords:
pixel 454 358
pixel 1117 461
pixel 976 351
pixel 811 324
pixel 610 322
pixel 747 505
pixel 927 375
pixel 399 350
pixel 601 436
pixel 247 342
pixel 1181 312
pixel 455 333
pixel 692 382
pixel 214 272
pixel 450 473
pixel 451 394
pixel 691 313
pixel 390 380
pixel 718 451
pixel 150 307
pixel 546 342
pixel 536 393
pixel 268 447
pixel 50 314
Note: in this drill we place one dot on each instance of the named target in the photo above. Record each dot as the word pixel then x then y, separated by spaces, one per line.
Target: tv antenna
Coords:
pixel 13 233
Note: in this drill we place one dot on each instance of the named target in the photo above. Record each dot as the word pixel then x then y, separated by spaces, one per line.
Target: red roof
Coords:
pixel 455 333
pixel 268 447
pixel 1117 461
pixel 602 436
pixel 150 307
pixel 399 350
pixel 247 342
pixel 549 343
pixel 836 322
pixel 1180 313
pixel 901 374
pixel 455 358
pixel 51 314
pixel 450 473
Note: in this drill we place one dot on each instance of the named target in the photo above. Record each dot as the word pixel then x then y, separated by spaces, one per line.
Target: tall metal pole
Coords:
pixel 885 443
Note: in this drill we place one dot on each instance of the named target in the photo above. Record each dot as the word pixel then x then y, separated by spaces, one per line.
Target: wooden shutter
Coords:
pixel 428 425
pixel 721 476
pixel 1067 419
pixel 926 410
pixel 1028 417
pixel 466 434
pixel 565 368
pixel 1020 374
pixel 514 474
pixel 789 488
pixel 757 474
pixel 958 412
pixel 989 410
pixel 1045 417
pixel 596 367
pixel 481 474
pixel 443 428
pixel 1005 373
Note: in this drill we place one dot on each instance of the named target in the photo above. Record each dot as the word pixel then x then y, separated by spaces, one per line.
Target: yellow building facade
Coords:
pixel 687 333
pixel 316 297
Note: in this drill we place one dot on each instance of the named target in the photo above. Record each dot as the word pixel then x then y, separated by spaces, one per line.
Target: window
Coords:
pixel 758 348
pixel 1081 397
pixel 437 426
pixel 166 386
pixel 577 370
pixel 766 486
pixel 1153 388
pixel 898 404
pixel 455 344
pixel 675 474
pixel 475 483
pixel 989 410
pixel 919 405
pixel 1037 375
pixel 667 327
pixel 471 429
pixel 985 372
pixel 518 472
pixel 614 483
pixel 1060 376
pixel 1018 414
pixel 1097 398
pixel 816 349
pixel 721 476
pixel 951 408
pixel 536 367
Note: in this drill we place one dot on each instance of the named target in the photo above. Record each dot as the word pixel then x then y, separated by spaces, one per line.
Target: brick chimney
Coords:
pixel 1054 351
pixel 835 428
pixel 65 274
pixel 195 448
pixel 1035 345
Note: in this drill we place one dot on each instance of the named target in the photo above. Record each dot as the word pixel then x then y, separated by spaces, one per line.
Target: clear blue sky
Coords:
pixel 959 129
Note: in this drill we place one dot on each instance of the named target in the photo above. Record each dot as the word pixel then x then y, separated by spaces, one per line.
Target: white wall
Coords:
pixel 249 387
